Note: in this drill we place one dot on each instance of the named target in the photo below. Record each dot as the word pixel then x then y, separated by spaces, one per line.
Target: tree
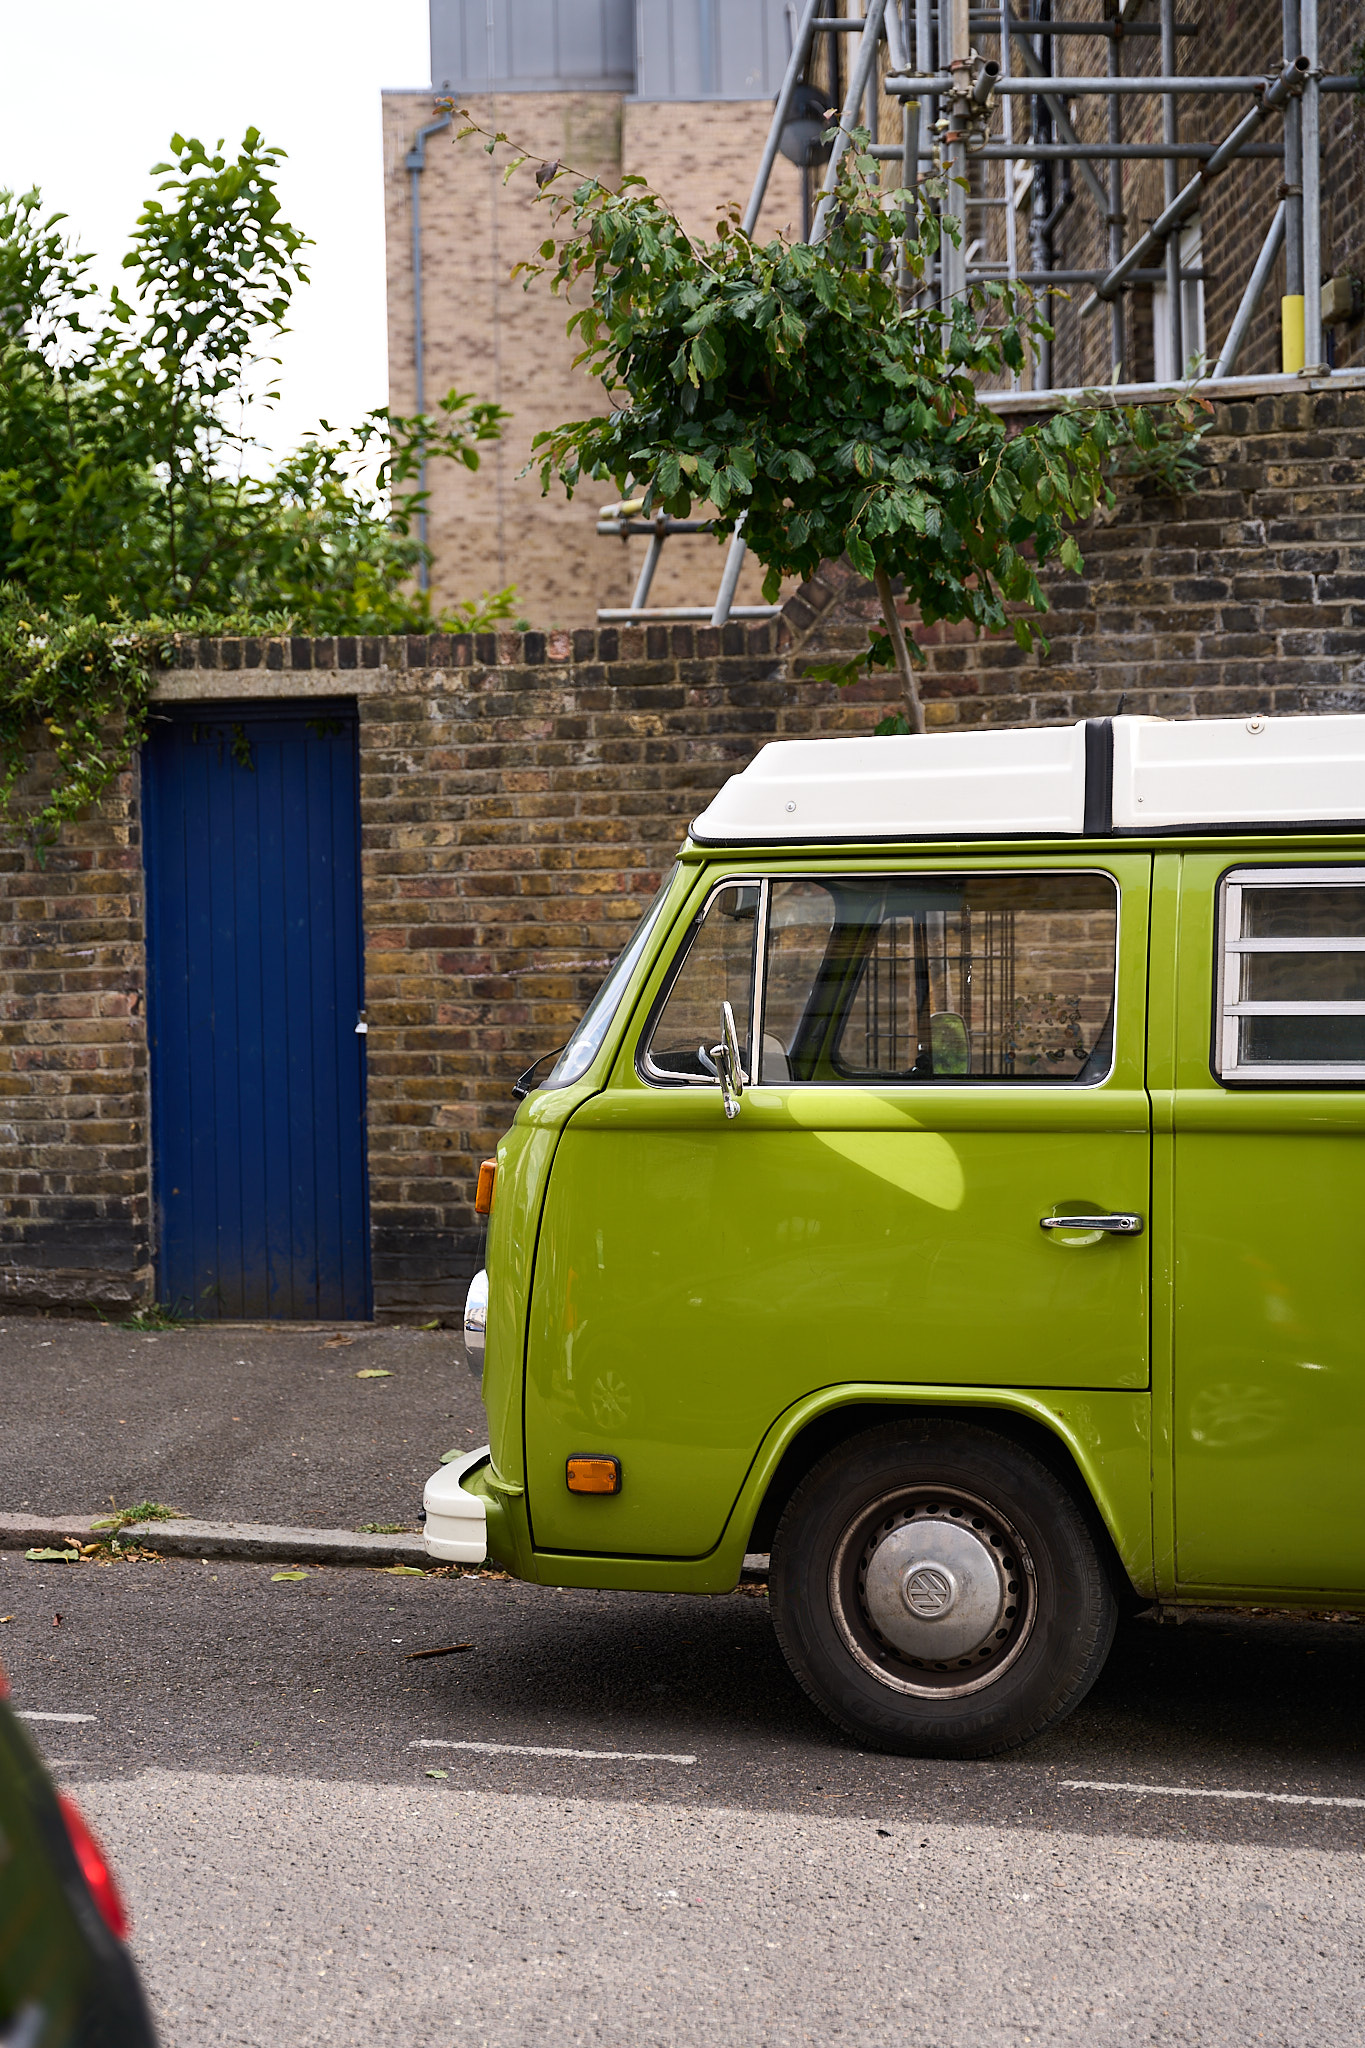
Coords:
pixel 133 502
pixel 129 486
pixel 790 386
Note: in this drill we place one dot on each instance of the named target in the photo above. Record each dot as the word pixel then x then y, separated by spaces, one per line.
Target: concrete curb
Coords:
pixel 257 1542
pixel 262 1542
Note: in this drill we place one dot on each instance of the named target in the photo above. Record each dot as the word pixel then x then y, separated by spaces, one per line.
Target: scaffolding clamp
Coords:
pixel 970 99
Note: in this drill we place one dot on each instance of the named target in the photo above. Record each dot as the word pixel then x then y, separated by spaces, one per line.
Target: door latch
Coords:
pixel 1117 1226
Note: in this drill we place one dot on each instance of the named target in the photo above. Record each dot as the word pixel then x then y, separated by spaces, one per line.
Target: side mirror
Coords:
pixel 726 1061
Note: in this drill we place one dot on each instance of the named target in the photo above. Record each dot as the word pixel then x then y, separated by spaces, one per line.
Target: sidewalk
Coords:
pixel 230 1422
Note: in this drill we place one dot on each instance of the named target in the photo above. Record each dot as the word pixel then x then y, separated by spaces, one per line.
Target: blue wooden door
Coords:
pixel 254 990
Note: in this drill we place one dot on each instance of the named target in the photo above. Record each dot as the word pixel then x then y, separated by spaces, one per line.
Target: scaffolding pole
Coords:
pixel 1312 192
pixel 953 98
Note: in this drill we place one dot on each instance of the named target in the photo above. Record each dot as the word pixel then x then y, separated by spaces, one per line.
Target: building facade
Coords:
pixel 678 92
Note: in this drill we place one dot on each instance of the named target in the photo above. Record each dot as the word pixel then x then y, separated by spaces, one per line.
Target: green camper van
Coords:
pixel 956 1191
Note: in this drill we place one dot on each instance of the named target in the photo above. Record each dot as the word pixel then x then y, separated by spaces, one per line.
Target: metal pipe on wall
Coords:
pixel 1040 194
pixel 955 33
pixel 860 71
pixel 1291 303
pixel 1113 51
pixel 1312 193
pixel 1007 136
pixel 1170 182
pixel 1251 297
pixel 796 64
pixel 926 60
pixel 415 162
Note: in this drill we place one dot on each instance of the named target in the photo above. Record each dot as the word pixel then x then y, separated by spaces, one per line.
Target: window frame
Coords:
pixel 654 1077
pixel 1232 947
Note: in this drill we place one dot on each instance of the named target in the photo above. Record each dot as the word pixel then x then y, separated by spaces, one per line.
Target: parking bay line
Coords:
pixel 601 1756
pixel 1207 1792
pixel 33 1714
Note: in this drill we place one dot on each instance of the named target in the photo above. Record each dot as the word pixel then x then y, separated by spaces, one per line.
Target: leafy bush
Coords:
pixel 133 501
pixel 801 390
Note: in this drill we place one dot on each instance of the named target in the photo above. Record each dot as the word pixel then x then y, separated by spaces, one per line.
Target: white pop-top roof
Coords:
pixel 1099 776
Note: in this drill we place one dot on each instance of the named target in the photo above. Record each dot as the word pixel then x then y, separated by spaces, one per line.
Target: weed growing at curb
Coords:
pixel 123 1518
pixel 156 1316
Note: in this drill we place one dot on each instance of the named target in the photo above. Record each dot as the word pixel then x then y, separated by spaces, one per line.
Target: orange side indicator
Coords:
pixel 593 1475
pixel 483 1193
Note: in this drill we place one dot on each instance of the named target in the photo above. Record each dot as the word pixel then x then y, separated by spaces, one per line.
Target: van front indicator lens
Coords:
pixel 483 1193
pixel 593 1475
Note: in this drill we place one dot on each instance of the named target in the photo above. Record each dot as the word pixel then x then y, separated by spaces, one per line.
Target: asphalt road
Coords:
pixel 722 1867
pixel 230 1422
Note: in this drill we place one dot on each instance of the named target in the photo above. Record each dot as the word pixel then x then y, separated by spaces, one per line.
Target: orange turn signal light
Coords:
pixel 593 1475
pixel 483 1193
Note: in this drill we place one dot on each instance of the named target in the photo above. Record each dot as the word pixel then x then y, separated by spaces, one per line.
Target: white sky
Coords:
pixel 92 90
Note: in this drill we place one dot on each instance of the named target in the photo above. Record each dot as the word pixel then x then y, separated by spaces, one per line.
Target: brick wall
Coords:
pixel 485 333
pixel 1247 593
pixel 522 792
pixel 74 1159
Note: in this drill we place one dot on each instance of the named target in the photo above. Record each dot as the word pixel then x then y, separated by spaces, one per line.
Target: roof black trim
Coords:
pixel 1099 778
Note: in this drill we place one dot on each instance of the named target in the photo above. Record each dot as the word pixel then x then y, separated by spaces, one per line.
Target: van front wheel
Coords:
pixel 936 1591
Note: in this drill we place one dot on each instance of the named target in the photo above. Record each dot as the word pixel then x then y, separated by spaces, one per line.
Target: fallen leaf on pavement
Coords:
pixel 449 1457
pixel 53 1556
pixel 438 1774
pixel 274 1576
pixel 447 1650
pixel 435 1324
pixel 335 1343
pixel 373 1372
pixel 56 1621
pixel 6 1617
pixel 402 1571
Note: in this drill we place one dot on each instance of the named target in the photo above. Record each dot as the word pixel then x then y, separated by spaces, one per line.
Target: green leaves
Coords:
pixel 787 382
pixel 133 503
pixel 128 486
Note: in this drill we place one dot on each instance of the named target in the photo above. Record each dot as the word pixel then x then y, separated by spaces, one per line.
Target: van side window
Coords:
pixel 979 977
pixel 717 967
pixel 1292 975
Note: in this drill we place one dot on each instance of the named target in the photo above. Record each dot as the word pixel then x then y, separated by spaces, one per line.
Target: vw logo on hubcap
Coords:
pixel 929 1591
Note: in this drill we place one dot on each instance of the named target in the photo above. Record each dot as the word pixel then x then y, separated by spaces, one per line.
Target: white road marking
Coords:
pixel 32 1714
pixel 1207 1792
pixel 602 1756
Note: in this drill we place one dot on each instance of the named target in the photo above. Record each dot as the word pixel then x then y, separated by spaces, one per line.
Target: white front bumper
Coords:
pixel 456 1527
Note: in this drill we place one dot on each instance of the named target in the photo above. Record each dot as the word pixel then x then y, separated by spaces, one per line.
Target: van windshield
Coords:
pixel 583 1048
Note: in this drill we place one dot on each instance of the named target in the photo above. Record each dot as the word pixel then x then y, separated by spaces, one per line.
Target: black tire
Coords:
pixel 937 1592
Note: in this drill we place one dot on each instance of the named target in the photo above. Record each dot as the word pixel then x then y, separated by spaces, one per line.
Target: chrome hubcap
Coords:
pixel 933 1592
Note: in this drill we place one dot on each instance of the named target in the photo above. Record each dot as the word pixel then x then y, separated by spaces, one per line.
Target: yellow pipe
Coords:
pixel 1291 332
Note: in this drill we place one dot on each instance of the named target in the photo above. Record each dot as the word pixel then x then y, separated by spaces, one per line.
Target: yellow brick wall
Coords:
pixel 484 333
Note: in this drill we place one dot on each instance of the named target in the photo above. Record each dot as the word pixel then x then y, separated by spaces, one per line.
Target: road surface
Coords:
pixel 325 1840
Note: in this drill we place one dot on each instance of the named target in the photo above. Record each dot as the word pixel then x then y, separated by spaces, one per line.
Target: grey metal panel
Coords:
pixel 536 45
pixel 710 49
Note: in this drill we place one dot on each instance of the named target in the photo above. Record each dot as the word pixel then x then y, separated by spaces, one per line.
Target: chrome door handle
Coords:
pixel 1117 1226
